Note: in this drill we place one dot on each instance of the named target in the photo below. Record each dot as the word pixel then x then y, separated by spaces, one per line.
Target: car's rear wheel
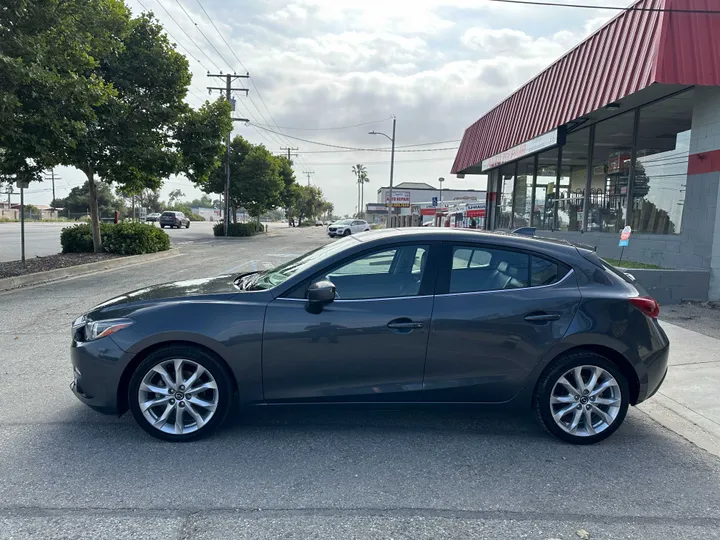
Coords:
pixel 180 394
pixel 162 226
pixel 583 398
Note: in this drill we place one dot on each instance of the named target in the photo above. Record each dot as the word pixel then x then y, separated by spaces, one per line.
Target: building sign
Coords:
pixel 431 211
pixel 376 207
pixel 532 146
pixel 475 210
pixel 401 199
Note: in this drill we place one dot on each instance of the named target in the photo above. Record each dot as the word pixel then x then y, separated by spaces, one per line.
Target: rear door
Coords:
pixel 497 311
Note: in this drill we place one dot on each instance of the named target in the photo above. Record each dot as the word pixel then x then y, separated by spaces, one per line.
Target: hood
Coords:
pixel 177 290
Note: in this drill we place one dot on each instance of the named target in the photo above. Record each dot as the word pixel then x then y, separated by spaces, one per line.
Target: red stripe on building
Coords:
pixel 633 51
pixel 704 162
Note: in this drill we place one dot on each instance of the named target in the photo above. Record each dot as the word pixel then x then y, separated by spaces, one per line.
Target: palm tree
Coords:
pixel 365 180
pixel 360 173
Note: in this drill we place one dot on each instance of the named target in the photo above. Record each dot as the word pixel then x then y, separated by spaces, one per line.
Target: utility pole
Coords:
pixel 229 78
pixel 392 166
pixel 289 152
pixel 308 173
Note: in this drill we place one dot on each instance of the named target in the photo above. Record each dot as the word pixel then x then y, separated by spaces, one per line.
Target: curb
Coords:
pixel 16 282
pixel 684 421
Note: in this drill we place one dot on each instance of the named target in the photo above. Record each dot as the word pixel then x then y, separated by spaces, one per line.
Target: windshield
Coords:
pixel 343 222
pixel 279 274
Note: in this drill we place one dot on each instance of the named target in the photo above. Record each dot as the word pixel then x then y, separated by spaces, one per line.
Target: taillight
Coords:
pixel 647 305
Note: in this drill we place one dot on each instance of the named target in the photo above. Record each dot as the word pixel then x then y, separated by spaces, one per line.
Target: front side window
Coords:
pixel 385 273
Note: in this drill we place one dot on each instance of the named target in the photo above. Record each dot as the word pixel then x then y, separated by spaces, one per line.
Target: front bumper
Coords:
pixel 97 369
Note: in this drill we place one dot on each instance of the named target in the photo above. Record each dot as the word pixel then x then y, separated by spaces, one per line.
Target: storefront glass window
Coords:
pixel 505 203
pixel 661 171
pixel 569 199
pixel 611 173
pixel 523 192
pixel 544 208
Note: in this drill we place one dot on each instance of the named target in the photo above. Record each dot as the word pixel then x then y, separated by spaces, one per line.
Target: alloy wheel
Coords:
pixel 178 396
pixel 585 401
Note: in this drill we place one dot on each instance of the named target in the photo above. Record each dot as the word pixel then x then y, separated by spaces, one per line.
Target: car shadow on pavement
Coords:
pixel 309 458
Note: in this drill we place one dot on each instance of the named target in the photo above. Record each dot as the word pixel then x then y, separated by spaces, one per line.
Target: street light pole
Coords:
pixel 441 180
pixel 392 167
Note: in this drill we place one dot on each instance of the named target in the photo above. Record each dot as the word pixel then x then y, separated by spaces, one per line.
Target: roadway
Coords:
pixel 42 239
pixel 69 472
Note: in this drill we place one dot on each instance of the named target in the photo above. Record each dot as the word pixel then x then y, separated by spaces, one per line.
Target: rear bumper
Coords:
pixel 97 369
pixel 656 368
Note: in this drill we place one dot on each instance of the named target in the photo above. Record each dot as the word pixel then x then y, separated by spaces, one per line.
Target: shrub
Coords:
pixel 239 229
pixel 196 217
pixel 5 219
pixel 123 239
pixel 135 239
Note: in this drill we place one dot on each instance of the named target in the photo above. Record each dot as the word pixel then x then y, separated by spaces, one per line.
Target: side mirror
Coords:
pixel 321 293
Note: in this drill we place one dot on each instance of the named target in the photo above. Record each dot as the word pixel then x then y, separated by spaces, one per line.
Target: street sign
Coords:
pixel 625 236
pixel 22 185
pixel 435 201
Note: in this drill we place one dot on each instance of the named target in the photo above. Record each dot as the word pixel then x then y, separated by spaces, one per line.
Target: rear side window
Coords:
pixel 546 272
pixel 490 269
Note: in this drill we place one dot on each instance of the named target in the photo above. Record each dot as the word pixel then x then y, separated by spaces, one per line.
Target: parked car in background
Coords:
pixel 418 315
pixel 153 217
pixel 174 220
pixel 318 223
pixel 346 227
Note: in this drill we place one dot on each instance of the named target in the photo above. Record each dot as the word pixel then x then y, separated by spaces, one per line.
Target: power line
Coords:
pixel 332 128
pixel 203 33
pixel 188 35
pixel 356 149
pixel 613 8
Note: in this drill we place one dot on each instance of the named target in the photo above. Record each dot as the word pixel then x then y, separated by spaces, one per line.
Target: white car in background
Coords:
pixel 345 227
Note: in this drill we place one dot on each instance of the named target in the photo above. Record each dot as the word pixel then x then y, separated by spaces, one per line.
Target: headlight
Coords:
pixel 100 329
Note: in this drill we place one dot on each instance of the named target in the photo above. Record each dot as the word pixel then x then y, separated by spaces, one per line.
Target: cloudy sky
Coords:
pixel 316 65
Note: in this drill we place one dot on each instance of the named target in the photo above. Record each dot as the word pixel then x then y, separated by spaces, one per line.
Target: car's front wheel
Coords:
pixel 188 225
pixel 180 394
pixel 583 398
pixel 347 232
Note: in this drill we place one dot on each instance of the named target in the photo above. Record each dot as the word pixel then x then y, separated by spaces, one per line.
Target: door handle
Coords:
pixel 542 317
pixel 404 324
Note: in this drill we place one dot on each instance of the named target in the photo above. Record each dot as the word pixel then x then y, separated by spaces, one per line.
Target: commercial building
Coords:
pixel 622 130
pixel 409 194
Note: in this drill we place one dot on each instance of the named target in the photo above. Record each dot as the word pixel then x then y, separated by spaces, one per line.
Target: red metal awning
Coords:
pixel 631 52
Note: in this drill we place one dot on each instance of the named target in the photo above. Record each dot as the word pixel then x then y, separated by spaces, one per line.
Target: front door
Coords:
pixel 367 345
pixel 497 312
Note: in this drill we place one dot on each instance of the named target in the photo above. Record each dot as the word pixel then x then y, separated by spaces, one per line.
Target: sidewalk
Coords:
pixel 688 403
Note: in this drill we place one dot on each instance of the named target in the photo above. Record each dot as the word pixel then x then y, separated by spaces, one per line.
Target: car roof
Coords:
pixel 556 246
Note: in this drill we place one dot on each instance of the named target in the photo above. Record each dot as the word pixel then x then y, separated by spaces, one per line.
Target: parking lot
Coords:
pixel 68 472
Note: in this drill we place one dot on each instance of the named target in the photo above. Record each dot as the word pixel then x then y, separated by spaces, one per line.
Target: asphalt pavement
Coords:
pixel 43 238
pixel 68 472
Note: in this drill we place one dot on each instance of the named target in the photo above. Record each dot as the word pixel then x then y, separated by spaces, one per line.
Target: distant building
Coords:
pixel 408 194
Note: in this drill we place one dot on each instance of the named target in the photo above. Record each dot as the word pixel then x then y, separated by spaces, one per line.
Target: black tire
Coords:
pixel 162 226
pixel 188 225
pixel 347 232
pixel 547 381
pixel 218 371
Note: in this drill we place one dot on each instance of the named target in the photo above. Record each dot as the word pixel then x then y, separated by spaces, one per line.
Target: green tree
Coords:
pixel 78 200
pixel 175 196
pixel 361 178
pixel 255 182
pixel 49 81
pixel 204 202
pixel 93 88
pixel 309 203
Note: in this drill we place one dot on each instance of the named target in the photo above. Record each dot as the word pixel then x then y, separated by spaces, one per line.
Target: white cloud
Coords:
pixel 438 65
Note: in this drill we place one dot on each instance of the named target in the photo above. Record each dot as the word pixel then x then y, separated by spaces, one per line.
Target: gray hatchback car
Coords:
pixel 401 316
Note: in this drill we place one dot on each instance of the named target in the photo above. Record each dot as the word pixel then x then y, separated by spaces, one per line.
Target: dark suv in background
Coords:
pixel 174 219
